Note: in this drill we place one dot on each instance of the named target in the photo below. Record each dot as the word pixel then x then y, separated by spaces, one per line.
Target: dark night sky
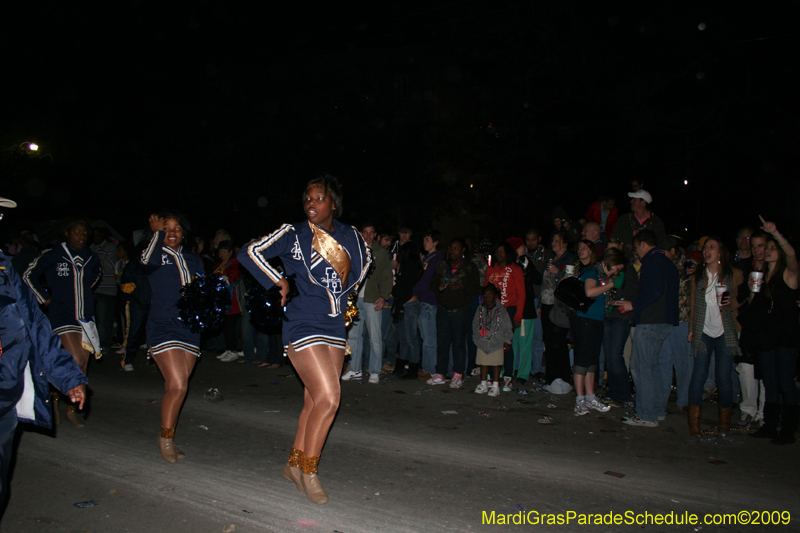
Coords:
pixel 208 107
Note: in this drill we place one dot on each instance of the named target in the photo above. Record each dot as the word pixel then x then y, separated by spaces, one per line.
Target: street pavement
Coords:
pixel 401 457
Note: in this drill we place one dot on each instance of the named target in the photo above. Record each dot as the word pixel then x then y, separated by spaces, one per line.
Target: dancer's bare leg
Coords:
pixel 176 366
pixel 320 368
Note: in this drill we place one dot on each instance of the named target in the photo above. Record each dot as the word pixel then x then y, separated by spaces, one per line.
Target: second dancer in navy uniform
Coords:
pixel 329 260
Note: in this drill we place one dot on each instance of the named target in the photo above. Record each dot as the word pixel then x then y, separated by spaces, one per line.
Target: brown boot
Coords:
pixel 292 470
pixel 694 420
pixel 72 416
pixel 724 419
pixel 314 491
pixel 166 445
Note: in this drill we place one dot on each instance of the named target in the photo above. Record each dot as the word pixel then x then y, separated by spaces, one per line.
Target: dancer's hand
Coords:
pixel 156 223
pixel 78 395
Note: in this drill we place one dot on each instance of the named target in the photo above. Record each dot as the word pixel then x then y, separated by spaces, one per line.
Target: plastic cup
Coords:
pixel 721 290
pixel 570 270
pixel 757 279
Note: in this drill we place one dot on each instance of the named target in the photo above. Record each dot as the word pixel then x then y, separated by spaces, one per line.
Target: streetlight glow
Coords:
pixel 33 147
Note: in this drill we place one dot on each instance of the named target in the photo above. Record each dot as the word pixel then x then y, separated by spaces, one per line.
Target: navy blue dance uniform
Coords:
pixel 316 315
pixel 168 271
pixel 70 276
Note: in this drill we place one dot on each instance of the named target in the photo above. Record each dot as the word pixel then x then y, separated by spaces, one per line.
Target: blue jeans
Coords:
pixel 677 350
pixel 373 321
pixel 472 350
pixel 255 345
pixel 778 368
pixel 615 334
pixel 647 368
pixel 538 344
pixel 104 314
pixel 451 331
pixel 355 338
pixel 409 336
pixel 426 321
pixel 391 335
pixel 723 366
pixel 508 355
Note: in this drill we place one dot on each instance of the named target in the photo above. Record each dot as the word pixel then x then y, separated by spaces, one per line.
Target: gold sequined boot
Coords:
pixel 72 416
pixel 166 445
pixel 292 470
pixel 314 491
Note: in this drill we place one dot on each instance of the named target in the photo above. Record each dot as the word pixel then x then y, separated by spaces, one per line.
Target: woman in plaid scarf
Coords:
pixel 713 330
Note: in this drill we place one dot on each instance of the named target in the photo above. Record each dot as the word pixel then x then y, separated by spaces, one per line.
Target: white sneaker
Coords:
pixel 597 405
pixel 482 388
pixel 229 357
pixel 436 379
pixel 476 371
pixel 351 376
pixel 457 381
pixel 636 421
pixel 374 378
pixel 495 389
pixel 239 354
pixel 508 383
pixel 223 354
pixel 581 408
pixel 128 367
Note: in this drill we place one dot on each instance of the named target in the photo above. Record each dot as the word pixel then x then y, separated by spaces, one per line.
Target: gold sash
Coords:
pixel 330 249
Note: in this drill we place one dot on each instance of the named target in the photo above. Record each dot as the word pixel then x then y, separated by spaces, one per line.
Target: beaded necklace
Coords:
pixel 483 325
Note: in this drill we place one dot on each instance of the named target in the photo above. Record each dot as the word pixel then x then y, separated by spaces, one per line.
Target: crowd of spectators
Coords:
pixel 666 317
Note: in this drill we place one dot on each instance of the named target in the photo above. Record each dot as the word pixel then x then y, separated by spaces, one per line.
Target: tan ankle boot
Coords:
pixel 166 445
pixel 72 416
pixel 292 470
pixel 313 488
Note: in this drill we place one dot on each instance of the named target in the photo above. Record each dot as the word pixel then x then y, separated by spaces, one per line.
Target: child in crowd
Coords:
pixel 492 334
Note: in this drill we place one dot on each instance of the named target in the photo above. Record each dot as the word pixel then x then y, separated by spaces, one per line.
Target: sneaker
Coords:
pixel 457 381
pixel 597 405
pixel 351 376
pixel 436 379
pixel 744 420
pixel 223 354
pixel 508 383
pixel 128 367
pixel 482 388
pixel 374 378
pixel 476 372
pixel 636 421
pixel 581 408
pixel 239 354
pixel 494 390
pixel 662 418
pixel 229 357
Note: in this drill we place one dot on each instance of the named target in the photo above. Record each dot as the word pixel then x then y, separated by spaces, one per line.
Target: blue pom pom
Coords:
pixel 204 303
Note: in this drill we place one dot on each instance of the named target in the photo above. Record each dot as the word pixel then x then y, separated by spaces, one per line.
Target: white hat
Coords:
pixel 5 202
pixel 643 194
pixel 558 386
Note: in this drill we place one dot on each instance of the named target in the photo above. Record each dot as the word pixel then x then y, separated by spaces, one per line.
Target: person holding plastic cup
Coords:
pixel 712 330
pixel 774 312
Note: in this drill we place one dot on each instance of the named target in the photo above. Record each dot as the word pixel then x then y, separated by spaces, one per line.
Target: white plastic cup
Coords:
pixel 721 289
pixel 757 279
pixel 570 270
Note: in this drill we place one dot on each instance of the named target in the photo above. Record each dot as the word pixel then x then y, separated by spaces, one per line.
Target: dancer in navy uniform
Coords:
pixel 173 345
pixel 329 260
pixel 71 270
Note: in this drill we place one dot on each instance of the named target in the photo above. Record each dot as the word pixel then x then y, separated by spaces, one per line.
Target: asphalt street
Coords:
pixel 401 457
